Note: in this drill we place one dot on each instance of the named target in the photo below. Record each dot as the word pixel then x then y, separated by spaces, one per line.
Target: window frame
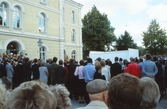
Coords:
pixel 20 17
pixel 73 35
pixel 7 14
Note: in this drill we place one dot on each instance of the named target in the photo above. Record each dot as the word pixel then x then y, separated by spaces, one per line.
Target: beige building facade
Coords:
pixel 56 22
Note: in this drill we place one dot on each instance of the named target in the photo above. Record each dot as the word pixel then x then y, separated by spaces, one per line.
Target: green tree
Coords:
pixel 125 41
pixel 155 39
pixel 96 31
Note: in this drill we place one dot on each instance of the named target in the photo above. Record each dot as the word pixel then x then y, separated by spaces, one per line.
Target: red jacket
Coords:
pixel 134 69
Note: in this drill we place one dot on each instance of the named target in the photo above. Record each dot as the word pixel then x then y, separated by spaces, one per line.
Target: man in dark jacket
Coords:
pixel 35 70
pixel 60 73
pixel 116 68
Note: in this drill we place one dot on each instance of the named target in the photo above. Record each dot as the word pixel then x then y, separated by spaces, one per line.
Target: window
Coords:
pixel 73 55
pixel 73 35
pixel 73 17
pixel 17 17
pixel 42 22
pixel 43 1
pixel 4 14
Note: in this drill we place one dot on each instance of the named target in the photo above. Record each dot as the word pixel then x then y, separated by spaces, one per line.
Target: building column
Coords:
pixel 61 38
pixel 80 35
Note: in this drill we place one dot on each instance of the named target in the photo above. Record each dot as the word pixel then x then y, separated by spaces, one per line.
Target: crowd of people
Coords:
pixel 138 84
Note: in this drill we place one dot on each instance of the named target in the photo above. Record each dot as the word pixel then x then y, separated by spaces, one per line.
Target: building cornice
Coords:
pixel 73 3
pixel 30 35
pixel 39 6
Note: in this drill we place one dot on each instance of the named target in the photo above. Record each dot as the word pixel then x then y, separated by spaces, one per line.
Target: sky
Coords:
pixel 134 16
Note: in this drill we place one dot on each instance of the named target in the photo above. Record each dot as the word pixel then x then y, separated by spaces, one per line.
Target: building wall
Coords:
pixel 53 39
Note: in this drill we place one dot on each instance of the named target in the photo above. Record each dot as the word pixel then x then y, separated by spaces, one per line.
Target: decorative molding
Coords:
pixel 39 6
pixel 73 25
pixel 73 3
pixel 19 5
pixel 30 35
pixel 5 1
pixel 21 44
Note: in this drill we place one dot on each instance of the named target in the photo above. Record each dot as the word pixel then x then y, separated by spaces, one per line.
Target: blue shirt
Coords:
pixel 88 72
pixel 149 68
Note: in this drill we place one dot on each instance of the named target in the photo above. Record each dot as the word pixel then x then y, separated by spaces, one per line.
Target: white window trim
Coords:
pixel 73 19
pixel 46 22
pixel 74 35
pixel 43 2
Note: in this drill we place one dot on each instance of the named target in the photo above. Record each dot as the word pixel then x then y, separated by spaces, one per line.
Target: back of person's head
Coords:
pixel 116 59
pixel 151 94
pixel 43 63
pixel 54 59
pixel 124 92
pixel 155 58
pixel 26 59
pixel 35 60
pixel 89 60
pixel 60 62
pixel 141 60
pixel 120 59
pixel 71 60
pixel 32 95
pixel 3 100
pixel 96 63
pixel 148 56
pixel 98 67
pixel 81 62
pixel 61 94
pixel 132 59
pixel 102 63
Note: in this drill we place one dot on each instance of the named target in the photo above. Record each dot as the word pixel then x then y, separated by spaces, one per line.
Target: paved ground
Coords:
pixel 161 105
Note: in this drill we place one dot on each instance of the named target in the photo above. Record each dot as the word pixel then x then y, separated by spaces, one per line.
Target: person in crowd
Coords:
pixel 125 91
pixel 149 68
pixel 141 65
pixel 51 69
pixel 121 63
pixel 60 73
pixel 151 94
pixel 43 73
pixel 72 80
pixel 108 65
pixel 158 76
pixel 88 72
pixel 32 95
pixel 26 70
pixel 126 63
pixel 134 68
pixel 96 63
pixel 3 99
pixel 105 71
pixel 81 82
pixel 35 69
pixel 18 74
pixel 116 68
pixel 97 90
pixel 98 73
pixel 47 63
pixel 5 81
pixel 61 94
pixel 66 78
pixel 2 69
pixel 9 70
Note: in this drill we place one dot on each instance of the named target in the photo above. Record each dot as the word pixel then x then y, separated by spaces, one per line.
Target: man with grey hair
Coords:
pixel 97 90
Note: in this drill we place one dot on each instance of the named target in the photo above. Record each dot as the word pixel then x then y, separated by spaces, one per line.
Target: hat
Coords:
pixel 96 86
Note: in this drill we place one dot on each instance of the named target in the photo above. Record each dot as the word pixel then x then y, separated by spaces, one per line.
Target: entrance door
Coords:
pixel 12 48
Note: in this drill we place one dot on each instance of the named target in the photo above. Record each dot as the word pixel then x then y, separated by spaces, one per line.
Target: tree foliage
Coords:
pixel 125 41
pixel 96 31
pixel 155 39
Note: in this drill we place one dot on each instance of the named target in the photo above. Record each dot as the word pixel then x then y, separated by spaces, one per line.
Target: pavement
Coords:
pixel 162 104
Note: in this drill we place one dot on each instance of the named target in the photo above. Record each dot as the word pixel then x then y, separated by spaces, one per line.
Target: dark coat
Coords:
pixel 116 69
pixel 2 70
pixel 27 71
pixel 98 75
pixel 71 69
pixel 35 70
pixel 18 75
pixel 52 76
pixel 60 73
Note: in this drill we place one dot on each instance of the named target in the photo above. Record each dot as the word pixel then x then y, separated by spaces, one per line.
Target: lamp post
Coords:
pixel 40 43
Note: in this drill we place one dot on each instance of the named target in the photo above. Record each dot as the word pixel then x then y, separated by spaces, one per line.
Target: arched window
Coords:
pixel 17 17
pixel 4 14
pixel 73 17
pixel 73 35
pixel 42 22
pixel 73 55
